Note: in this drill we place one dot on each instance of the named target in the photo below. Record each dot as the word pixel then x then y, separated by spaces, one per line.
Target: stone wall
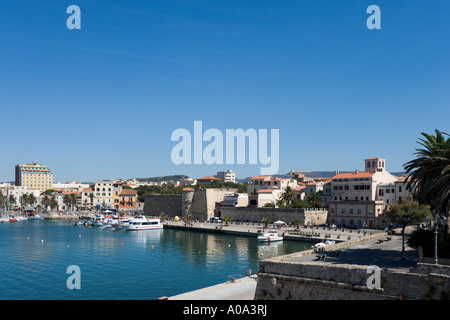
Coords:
pixel 288 215
pixel 170 204
pixel 325 281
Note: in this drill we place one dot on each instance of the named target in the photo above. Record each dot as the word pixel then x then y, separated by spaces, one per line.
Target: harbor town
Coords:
pixel 351 220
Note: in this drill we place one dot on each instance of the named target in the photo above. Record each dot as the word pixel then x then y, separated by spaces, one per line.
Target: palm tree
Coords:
pixel 91 196
pixel 315 200
pixel 12 201
pixel 227 219
pixel 297 223
pixel 429 173
pixel 266 221
pixel 31 199
pixel 288 196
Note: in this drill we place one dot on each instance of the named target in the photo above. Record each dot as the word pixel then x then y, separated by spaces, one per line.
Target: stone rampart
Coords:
pixel 288 215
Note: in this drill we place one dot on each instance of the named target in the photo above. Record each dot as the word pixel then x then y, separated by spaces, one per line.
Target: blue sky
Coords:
pixel 103 101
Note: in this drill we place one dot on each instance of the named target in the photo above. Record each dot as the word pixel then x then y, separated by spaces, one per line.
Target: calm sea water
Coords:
pixel 121 265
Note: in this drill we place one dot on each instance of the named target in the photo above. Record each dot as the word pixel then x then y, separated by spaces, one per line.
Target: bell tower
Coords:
pixel 375 164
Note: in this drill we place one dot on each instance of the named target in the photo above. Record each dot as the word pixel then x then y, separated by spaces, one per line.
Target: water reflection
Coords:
pixel 119 264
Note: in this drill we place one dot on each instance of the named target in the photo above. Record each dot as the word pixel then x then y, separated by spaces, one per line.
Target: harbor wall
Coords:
pixel 170 204
pixel 278 280
pixel 288 215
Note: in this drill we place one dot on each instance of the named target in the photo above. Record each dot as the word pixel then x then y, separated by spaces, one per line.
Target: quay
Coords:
pixel 246 288
pixel 312 234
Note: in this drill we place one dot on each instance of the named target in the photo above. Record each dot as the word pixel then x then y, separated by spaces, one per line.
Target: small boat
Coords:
pixel 142 223
pixel 120 223
pixel 270 236
pixel 35 217
pixel 12 219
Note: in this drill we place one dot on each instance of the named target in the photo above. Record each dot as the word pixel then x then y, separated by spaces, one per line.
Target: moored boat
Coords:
pixel 270 236
pixel 142 223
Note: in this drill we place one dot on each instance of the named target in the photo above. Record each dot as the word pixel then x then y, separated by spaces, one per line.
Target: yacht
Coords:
pixel 142 223
pixel 270 236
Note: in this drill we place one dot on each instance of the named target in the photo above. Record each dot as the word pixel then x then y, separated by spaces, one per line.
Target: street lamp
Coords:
pixel 438 220
pixel 404 220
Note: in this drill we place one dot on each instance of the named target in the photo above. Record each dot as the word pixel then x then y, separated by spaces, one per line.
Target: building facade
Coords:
pixel 103 194
pixel 359 199
pixel 34 176
pixel 226 176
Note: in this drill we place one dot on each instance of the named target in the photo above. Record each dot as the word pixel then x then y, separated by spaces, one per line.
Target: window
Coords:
pixel 359 211
pixel 381 192
pixel 399 188
pixel 345 187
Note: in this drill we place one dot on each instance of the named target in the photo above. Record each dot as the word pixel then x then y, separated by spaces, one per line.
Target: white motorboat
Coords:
pixel 142 223
pixel 120 223
pixel 270 236
pixel 35 217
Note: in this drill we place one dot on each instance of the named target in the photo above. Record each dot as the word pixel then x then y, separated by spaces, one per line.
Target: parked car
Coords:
pixel 215 220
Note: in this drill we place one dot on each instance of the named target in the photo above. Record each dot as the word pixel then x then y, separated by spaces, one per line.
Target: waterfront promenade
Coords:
pixel 356 248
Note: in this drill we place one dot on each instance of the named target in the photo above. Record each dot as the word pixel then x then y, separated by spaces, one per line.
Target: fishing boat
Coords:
pixel 270 236
pixel 142 223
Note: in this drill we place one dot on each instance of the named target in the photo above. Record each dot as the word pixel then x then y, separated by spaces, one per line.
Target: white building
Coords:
pixel 267 189
pixel 70 185
pixel 19 191
pixel 104 193
pixel 226 176
pixel 360 198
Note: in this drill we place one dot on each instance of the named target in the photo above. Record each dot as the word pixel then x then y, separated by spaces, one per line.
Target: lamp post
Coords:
pixel 438 220
pixel 404 219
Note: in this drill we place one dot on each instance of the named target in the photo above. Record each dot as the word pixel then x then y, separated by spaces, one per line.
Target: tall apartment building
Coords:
pixel 104 194
pixel 226 176
pixel 34 176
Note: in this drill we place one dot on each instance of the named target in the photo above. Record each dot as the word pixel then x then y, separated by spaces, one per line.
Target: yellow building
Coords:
pixel 34 176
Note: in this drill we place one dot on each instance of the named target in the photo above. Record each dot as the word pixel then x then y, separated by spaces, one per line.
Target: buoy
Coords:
pixel 122 243
pixel 153 247
pixel 42 240
pixel 79 236
pixel 28 238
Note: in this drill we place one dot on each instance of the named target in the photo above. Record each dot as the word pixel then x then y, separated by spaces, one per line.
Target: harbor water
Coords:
pixel 122 265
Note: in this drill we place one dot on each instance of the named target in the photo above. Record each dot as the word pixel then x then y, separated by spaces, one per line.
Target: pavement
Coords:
pixel 239 289
pixel 374 249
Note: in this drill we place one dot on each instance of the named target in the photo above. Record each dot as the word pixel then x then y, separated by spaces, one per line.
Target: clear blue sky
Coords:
pixel 102 102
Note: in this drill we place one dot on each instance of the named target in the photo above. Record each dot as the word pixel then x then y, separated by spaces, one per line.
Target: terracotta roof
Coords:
pixel 374 158
pixel 266 190
pixel 88 189
pixel 128 192
pixel 208 178
pixel 188 189
pixel 362 174
pixel 259 178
